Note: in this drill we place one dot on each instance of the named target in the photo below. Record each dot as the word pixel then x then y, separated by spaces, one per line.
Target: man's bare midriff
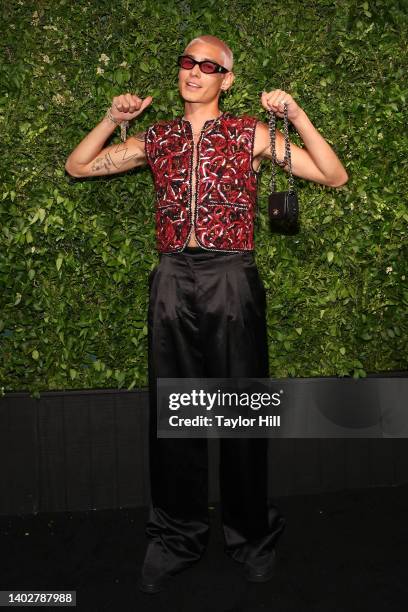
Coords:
pixel 192 240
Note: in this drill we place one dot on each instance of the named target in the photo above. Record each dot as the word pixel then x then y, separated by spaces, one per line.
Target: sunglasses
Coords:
pixel 206 66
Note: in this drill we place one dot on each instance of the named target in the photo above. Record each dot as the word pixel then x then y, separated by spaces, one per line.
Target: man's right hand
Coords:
pixel 128 106
pixel 89 159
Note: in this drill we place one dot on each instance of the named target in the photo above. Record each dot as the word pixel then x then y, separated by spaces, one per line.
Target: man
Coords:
pixel 206 299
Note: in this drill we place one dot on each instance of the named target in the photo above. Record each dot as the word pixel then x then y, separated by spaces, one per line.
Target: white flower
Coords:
pixel 389 270
pixel 99 70
pixel 46 59
pixel 123 64
pixel 59 99
pixel 35 19
pixel 104 58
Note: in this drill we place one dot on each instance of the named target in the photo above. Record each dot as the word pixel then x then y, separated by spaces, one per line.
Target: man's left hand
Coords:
pixel 273 101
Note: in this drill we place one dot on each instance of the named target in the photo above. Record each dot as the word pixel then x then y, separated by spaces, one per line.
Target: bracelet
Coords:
pixel 123 124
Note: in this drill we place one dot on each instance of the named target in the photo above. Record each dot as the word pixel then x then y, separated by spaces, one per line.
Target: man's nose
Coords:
pixel 195 71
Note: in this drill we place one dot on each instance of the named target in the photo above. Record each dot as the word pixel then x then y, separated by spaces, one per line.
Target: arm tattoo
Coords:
pixel 101 162
pixel 120 158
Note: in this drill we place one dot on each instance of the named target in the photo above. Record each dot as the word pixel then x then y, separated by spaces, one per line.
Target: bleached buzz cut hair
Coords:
pixel 228 58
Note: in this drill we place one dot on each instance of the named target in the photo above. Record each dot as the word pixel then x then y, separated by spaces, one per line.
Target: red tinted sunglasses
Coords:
pixel 207 66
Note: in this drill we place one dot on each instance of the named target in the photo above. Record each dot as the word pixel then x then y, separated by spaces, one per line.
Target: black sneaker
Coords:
pixel 260 572
pixel 151 580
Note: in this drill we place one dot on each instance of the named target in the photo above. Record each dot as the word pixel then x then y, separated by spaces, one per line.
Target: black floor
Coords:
pixel 343 551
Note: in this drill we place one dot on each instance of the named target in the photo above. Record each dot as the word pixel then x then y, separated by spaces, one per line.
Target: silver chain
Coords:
pixel 123 124
pixel 287 158
pixel 123 127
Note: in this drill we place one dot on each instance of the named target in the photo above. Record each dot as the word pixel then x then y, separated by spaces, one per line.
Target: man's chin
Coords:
pixel 190 99
pixel 190 96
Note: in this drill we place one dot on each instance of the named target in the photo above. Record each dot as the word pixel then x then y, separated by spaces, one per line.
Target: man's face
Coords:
pixel 196 86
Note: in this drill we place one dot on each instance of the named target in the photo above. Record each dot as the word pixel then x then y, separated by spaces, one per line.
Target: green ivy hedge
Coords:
pixel 75 254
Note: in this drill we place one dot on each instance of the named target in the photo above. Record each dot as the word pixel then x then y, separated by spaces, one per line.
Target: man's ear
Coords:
pixel 228 81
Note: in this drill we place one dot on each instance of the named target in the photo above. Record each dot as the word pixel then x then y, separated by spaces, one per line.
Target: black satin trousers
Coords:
pixel 206 318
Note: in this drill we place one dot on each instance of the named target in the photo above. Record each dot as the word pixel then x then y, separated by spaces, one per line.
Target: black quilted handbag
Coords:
pixel 283 206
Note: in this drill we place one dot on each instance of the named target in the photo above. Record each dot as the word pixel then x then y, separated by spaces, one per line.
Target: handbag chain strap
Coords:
pixel 287 158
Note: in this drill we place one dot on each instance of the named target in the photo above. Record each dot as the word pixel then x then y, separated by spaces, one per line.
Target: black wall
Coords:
pixel 81 450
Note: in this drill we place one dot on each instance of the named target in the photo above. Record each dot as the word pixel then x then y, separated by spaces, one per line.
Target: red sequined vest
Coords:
pixel 226 183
